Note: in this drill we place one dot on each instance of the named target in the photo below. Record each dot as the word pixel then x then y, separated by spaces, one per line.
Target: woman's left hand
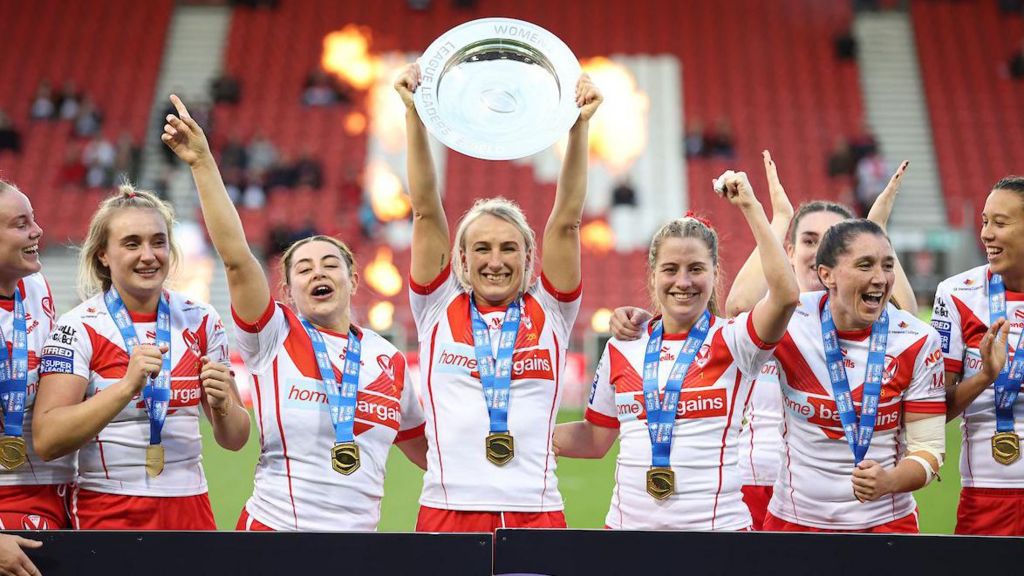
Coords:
pixel 217 384
pixel 588 97
pixel 871 481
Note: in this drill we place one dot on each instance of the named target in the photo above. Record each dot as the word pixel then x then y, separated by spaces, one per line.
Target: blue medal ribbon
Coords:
pixel 496 373
pixel 1007 385
pixel 342 398
pixel 157 391
pixel 661 412
pixel 14 372
pixel 858 435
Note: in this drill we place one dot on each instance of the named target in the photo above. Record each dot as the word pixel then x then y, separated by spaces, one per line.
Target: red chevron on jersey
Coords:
pixel 711 362
pixel 972 328
pixel 108 359
pixel 531 323
pixel 798 373
pixel 623 377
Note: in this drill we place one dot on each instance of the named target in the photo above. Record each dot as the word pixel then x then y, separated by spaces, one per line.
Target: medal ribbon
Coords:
pixel 858 436
pixel 1008 383
pixel 661 416
pixel 157 391
pixel 14 372
pixel 342 398
pixel 495 373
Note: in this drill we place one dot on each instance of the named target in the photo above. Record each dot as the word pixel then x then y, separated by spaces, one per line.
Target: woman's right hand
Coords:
pixel 145 362
pixel 184 136
pixel 407 83
pixel 627 321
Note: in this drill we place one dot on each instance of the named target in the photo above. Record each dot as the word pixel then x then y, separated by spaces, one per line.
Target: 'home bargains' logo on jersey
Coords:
pixel 461 359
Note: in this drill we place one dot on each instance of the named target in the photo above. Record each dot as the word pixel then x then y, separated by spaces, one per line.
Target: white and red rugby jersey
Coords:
pixel 814 487
pixel 459 476
pixel 295 487
pixel 961 315
pixel 761 436
pixel 704 439
pixel 39 319
pixel 87 343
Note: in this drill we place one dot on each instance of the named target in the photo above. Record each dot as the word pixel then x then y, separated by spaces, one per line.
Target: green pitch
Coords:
pixel 586 485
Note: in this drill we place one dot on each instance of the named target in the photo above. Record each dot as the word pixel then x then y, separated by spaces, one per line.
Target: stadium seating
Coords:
pixel 112 51
pixel 739 57
pixel 977 114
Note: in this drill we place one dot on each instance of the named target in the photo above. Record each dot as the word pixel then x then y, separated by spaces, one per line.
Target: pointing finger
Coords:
pixel 180 107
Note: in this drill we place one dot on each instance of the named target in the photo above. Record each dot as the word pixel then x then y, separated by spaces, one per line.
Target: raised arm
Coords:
pixel 248 287
pixel 431 246
pixel 880 211
pixel 770 315
pixel 560 257
pixel 748 287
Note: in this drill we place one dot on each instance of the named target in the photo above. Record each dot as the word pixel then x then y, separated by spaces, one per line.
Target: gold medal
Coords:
pixel 500 448
pixel 154 460
pixel 661 482
pixel 345 457
pixel 12 452
pixel 1006 447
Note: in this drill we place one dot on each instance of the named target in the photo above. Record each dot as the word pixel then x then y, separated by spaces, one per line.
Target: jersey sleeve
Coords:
pixel 946 321
pixel 428 300
pixel 68 350
pixel 927 391
pixel 216 339
pixel 412 409
pixel 601 410
pixel 748 350
pixel 258 342
pixel 566 305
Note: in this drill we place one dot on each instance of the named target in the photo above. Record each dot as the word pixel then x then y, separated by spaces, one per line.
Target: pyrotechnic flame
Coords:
pixel 601 320
pixel 382 315
pixel 597 237
pixel 347 55
pixel 618 132
pixel 382 275
pixel 387 197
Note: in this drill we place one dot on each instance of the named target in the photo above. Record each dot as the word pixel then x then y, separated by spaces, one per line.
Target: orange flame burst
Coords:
pixel 600 322
pixel 382 275
pixel 618 134
pixel 347 55
pixel 387 196
pixel 381 315
pixel 597 237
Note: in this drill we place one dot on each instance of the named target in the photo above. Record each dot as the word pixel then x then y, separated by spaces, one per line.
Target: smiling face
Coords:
pixel 137 253
pixel 494 260
pixel 320 284
pixel 19 239
pixel 1002 234
pixel 683 280
pixel 861 281
pixel 804 248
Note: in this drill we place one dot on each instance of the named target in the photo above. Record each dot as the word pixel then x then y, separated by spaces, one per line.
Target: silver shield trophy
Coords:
pixel 498 88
